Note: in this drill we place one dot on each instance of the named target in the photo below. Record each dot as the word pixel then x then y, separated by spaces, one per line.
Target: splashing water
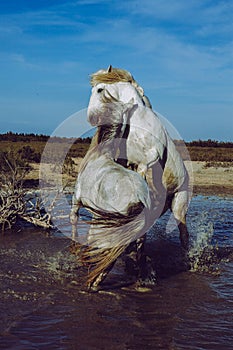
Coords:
pixel 201 250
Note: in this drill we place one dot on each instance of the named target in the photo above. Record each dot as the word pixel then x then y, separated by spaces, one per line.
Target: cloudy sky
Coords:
pixel 180 52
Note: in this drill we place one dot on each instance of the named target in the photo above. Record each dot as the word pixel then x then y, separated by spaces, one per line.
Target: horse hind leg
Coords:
pixel 146 272
pixel 179 208
pixel 184 235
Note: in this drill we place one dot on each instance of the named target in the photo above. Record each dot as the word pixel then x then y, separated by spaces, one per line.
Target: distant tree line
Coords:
pixel 23 137
pixel 17 137
pixel 210 143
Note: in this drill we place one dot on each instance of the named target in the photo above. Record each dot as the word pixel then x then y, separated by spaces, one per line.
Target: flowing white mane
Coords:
pixel 116 75
pixel 111 76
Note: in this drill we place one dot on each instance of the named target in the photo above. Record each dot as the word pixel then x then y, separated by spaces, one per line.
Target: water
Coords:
pixel 187 309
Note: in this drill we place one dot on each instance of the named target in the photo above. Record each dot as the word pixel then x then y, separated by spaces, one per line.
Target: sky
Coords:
pixel 180 52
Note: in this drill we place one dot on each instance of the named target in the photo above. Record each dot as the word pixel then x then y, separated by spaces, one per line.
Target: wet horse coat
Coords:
pixel 148 145
pixel 117 197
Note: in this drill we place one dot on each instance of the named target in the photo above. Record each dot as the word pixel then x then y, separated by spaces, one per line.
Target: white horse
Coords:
pixel 148 144
pixel 118 198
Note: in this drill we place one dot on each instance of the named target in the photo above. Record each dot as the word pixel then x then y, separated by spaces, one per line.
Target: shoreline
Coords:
pixel 204 180
pixel 212 190
pixel 214 180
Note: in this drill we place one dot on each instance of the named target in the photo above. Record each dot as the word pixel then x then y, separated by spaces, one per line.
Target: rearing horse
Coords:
pixel 148 144
pixel 118 198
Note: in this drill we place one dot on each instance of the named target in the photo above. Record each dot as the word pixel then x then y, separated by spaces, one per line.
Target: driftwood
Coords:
pixel 15 201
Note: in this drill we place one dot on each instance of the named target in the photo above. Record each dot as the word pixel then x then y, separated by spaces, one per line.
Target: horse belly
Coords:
pixel 116 193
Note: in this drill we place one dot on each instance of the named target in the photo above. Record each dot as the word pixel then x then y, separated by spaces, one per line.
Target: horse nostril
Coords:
pixel 100 90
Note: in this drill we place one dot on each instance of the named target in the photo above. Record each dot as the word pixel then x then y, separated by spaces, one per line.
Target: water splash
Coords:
pixel 200 254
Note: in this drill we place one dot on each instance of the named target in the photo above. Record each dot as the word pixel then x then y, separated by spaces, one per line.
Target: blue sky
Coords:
pixel 180 52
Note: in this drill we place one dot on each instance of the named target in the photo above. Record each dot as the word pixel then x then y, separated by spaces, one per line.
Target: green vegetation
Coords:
pixel 17 137
pixel 218 165
pixel 211 154
pixel 30 146
pixel 210 143
pixel 209 151
pixel 206 151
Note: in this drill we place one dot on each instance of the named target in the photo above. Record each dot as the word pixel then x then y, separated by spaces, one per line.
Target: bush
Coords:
pixel 27 153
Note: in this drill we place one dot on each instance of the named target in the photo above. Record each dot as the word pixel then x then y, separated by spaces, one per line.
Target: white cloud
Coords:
pixel 163 10
pixel 178 50
pixel 182 11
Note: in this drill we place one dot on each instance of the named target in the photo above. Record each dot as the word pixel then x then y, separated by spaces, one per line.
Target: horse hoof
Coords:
pixel 142 287
pixel 150 280
pixel 93 289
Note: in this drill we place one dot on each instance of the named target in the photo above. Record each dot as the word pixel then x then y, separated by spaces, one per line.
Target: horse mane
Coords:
pixel 108 132
pixel 104 133
pixel 116 75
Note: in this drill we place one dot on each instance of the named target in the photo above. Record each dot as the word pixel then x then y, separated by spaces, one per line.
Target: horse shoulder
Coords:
pixel 147 136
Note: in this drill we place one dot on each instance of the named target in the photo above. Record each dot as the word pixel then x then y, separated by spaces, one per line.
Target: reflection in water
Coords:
pixel 186 310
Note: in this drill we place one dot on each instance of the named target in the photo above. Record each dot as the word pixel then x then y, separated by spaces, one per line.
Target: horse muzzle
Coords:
pixel 94 118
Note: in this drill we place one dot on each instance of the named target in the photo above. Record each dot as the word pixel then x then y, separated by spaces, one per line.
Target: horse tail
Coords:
pixel 109 235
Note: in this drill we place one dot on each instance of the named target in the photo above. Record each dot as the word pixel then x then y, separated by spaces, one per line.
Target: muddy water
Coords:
pixel 43 304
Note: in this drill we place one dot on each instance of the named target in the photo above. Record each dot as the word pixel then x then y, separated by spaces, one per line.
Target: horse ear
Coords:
pixel 109 69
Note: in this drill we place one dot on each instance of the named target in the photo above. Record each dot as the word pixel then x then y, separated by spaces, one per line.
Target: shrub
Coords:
pixel 29 154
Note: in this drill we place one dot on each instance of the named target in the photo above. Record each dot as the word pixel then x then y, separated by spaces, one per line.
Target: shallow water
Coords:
pixel 187 309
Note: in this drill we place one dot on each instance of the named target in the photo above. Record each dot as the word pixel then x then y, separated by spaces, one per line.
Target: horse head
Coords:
pixel 105 106
pixel 115 75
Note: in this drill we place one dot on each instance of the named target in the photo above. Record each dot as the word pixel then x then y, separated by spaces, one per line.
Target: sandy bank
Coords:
pixel 206 180
pixel 212 180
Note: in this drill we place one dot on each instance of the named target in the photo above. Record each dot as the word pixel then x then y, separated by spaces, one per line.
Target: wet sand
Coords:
pixel 212 180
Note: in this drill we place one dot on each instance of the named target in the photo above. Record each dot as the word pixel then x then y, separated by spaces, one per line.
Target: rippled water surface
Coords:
pixel 187 309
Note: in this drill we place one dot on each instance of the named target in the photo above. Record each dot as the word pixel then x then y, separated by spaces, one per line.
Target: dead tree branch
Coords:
pixel 15 203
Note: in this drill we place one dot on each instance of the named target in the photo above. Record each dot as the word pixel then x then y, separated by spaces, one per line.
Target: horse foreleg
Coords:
pixel 74 218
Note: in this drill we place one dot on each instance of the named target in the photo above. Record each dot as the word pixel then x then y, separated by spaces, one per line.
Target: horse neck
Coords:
pixel 108 139
pixel 102 144
pixel 127 92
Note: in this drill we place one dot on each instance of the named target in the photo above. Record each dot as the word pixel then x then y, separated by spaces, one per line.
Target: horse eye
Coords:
pixel 100 90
